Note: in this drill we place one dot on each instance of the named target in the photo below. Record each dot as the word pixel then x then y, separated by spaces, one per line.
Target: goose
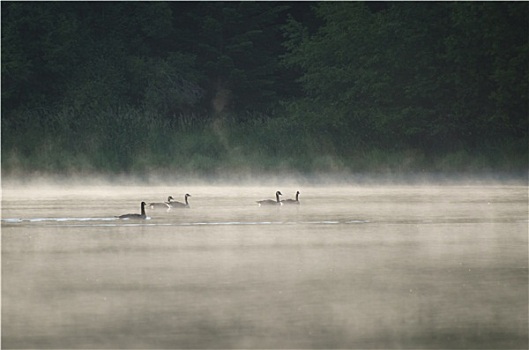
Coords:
pixel 271 201
pixel 292 201
pixel 135 216
pixel 176 204
pixel 164 205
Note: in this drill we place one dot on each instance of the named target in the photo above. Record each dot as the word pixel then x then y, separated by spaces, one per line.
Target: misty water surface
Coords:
pixel 351 267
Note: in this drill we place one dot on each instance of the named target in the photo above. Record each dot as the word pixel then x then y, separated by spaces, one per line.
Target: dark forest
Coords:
pixel 210 88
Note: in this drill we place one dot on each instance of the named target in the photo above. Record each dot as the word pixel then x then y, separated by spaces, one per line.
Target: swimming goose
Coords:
pixel 292 201
pixel 164 205
pixel 176 204
pixel 135 216
pixel 271 201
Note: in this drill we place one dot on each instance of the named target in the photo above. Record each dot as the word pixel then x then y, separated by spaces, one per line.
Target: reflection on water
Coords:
pixel 374 267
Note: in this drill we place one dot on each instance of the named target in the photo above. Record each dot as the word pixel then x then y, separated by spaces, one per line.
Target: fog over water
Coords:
pixel 352 266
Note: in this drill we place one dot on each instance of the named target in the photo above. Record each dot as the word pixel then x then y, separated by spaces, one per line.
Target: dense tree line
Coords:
pixel 136 86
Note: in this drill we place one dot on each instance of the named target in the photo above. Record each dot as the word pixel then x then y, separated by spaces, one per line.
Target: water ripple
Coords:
pixel 113 221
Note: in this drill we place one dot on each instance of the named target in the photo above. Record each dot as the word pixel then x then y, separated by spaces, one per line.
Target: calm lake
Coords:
pixel 350 267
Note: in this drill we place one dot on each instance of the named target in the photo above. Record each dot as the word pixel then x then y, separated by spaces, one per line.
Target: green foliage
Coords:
pixel 237 44
pixel 212 87
pixel 416 74
pixel 171 85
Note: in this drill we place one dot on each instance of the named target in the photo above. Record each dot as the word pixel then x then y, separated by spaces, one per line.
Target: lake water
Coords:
pixel 351 267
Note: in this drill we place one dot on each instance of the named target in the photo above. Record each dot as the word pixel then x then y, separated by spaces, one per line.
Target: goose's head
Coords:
pixel 170 198
pixel 278 193
pixel 188 195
